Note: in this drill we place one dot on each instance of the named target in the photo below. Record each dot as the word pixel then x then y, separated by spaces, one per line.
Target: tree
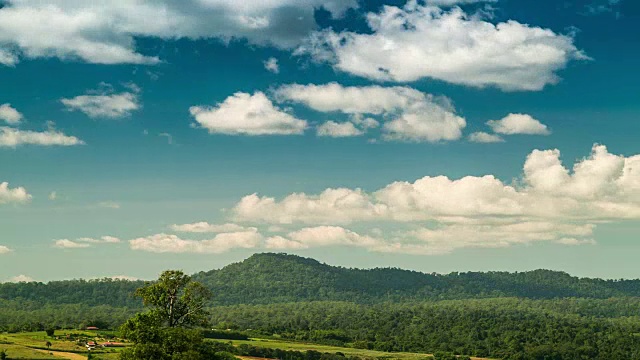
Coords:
pixel 176 300
pixel 166 331
pixel 48 344
pixel 50 331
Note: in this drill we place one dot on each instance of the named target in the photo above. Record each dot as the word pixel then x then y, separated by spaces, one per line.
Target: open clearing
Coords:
pixel 299 346
pixel 32 345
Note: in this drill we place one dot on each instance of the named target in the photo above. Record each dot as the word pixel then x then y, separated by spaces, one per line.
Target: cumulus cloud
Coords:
pixel 414 42
pixel 164 243
pixel 272 65
pixel 4 250
pixel 13 195
pixel 331 206
pixel 515 124
pixel 205 227
pixel 85 242
pixel 550 203
pixel 246 114
pixel 441 239
pixel 330 236
pixel 410 115
pixel 21 279
pixel 69 244
pixel 9 114
pixel 104 32
pixel 337 130
pixel 101 240
pixel 10 137
pixel 483 137
pixel 104 103
pixel 282 243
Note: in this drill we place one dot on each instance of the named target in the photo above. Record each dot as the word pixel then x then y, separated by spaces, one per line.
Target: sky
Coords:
pixel 439 135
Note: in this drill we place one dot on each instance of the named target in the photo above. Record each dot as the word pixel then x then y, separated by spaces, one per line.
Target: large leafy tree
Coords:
pixel 168 329
pixel 176 300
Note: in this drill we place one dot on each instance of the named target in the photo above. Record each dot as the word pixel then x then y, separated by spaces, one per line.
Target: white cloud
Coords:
pixel 10 137
pixel 337 130
pixel 21 279
pixel 104 32
pixel 245 114
pixel 321 236
pixel 439 240
pixel 10 115
pixel 282 243
pixel 373 99
pixel 456 2
pixel 110 239
pixel 331 236
pixel 104 104
pixel 550 203
pixel 272 65
pixel 4 250
pixel 576 242
pixel 85 242
pixel 101 240
pixel 415 42
pixel 223 242
pixel 431 123
pixel 69 244
pixel 410 115
pixel 514 124
pixel 205 227
pixel 331 206
pixel 8 58
pixel 15 195
pixel 483 137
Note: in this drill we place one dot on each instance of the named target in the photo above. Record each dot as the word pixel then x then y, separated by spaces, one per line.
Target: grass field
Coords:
pixel 299 346
pixel 32 345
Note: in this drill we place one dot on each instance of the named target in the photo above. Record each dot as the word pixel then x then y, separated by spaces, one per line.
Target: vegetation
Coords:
pixel 540 314
pixel 500 328
pixel 281 278
pixel 166 330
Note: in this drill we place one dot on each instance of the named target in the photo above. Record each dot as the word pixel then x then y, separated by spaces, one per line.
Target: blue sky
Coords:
pixel 438 136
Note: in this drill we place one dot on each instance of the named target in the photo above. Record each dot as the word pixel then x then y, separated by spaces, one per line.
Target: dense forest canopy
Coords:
pixel 280 278
pixel 538 314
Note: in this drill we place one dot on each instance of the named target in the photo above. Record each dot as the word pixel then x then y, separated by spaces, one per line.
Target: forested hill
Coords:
pixel 276 278
pixel 279 278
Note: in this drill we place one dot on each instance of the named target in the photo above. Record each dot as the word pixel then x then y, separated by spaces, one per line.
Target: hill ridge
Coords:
pixel 269 278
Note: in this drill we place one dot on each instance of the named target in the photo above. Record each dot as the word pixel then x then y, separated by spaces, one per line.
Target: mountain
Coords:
pixel 279 278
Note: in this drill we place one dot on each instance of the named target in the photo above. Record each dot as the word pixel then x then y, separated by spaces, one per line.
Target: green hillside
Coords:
pixel 278 278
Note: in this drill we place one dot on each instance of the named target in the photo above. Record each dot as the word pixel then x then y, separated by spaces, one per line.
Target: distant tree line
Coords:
pixel 499 328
